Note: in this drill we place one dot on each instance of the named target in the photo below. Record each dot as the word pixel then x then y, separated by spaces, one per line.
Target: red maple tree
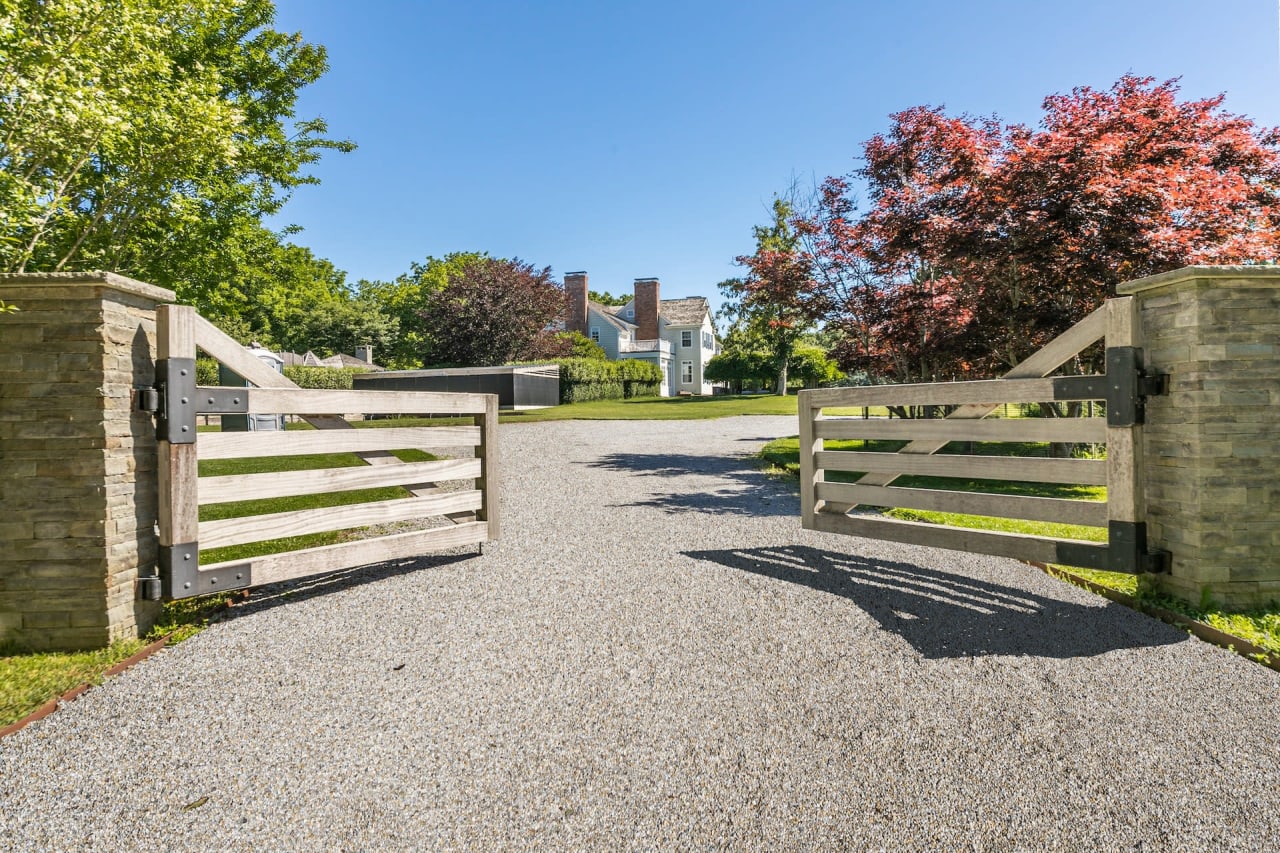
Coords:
pixel 982 241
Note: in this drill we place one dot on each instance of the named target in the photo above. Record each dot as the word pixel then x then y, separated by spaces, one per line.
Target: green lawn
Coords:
pixel 1262 628
pixel 28 680
pixel 637 409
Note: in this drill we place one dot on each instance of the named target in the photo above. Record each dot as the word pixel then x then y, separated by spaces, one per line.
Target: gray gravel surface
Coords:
pixel 656 657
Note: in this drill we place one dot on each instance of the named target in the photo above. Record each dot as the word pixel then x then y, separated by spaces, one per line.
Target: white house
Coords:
pixel 675 334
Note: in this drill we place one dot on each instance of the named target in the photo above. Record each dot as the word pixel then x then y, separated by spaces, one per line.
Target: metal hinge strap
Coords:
pixel 1124 386
pixel 182 577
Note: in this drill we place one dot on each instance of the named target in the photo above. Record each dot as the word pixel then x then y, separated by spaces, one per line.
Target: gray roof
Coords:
pixel 684 312
pixel 608 316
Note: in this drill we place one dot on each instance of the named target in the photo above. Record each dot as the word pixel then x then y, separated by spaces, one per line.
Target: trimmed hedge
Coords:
pixel 584 379
pixel 323 378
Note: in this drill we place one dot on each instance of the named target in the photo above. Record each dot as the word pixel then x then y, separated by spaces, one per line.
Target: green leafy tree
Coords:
pixel 810 365
pixel 778 299
pixel 606 298
pixel 339 325
pixel 149 137
pixel 407 297
pixel 741 369
pixel 578 345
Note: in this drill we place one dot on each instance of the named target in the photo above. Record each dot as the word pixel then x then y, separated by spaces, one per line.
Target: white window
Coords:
pixel 708 342
pixel 686 338
pixel 631 313
pixel 686 372
pixel 595 334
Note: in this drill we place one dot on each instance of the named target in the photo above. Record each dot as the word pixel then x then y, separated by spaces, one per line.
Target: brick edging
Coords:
pixel 1201 630
pixel 75 692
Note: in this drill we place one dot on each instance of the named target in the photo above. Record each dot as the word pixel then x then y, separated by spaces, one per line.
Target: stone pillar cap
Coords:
pixel 1268 274
pixel 94 277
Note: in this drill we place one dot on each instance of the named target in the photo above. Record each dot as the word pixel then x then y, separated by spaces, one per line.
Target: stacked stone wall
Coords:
pixel 77 464
pixel 1212 446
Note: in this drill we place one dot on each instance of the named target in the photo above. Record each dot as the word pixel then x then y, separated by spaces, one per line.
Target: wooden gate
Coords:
pixel 826 505
pixel 461 516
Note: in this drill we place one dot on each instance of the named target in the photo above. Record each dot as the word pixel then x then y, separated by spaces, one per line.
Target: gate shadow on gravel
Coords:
pixel 314 586
pixel 944 615
pixel 751 492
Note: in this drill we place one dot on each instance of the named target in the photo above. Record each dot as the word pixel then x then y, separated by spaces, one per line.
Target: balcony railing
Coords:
pixel 655 345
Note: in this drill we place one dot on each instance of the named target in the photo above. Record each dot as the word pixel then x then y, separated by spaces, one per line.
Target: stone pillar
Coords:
pixel 78 494
pixel 575 302
pixel 648 303
pixel 1212 446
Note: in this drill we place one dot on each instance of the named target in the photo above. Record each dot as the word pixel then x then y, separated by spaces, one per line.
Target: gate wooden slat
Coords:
pixel 988 392
pixel 235 445
pixel 1040 363
pixel 1124 444
pixel 1086 430
pixel 1019 546
pixel 1092 472
pixel 273 568
pixel 246 487
pixel 255 528
pixel 1061 510
pixel 309 401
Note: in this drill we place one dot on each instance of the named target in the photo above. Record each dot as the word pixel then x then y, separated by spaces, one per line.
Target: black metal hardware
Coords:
pixel 181 576
pixel 150 588
pixel 148 400
pixel 176 413
pixel 1124 386
pixel 176 400
pixel 222 401
pixel 1126 551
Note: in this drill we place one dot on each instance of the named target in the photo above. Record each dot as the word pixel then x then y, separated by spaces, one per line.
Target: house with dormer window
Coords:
pixel 675 334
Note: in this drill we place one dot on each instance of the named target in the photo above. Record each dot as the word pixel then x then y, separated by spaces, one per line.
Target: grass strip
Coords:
pixel 28 680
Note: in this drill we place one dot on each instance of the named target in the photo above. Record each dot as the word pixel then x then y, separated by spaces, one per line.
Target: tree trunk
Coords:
pixel 781 390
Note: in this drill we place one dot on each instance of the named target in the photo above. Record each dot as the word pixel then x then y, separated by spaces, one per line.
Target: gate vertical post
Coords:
pixel 488 453
pixel 178 466
pixel 810 476
pixel 78 497
pixel 1126 500
pixel 1212 445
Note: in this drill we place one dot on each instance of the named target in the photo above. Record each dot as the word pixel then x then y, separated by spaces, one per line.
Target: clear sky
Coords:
pixel 637 139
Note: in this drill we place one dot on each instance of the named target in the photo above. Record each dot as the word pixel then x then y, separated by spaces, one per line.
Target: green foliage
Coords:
pixel 776 303
pixel 809 364
pixel 586 379
pixel 580 346
pixel 144 136
pixel 743 369
pixel 406 298
pixel 207 372
pixel 323 378
pixel 338 325
pixel 606 298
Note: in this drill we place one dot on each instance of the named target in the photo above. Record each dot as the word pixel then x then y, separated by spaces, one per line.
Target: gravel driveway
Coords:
pixel 657 657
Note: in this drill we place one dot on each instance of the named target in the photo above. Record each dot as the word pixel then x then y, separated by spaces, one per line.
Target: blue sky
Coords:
pixel 645 139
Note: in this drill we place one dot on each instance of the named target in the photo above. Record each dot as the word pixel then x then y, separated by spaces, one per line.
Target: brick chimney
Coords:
pixel 647 309
pixel 575 302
